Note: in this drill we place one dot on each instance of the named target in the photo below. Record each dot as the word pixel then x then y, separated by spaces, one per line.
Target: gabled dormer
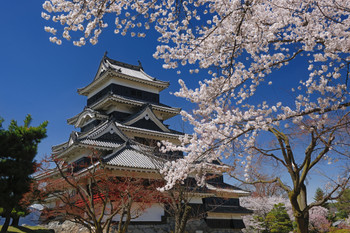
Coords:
pixel 146 119
pixel 87 117
pixel 108 133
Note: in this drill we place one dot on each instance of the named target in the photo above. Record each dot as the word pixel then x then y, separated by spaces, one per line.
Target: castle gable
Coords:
pixel 146 119
pixel 85 116
pixel 109 132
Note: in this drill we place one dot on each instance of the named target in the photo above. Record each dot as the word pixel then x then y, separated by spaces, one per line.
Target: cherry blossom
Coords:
pixel 241 44
pixel 318 219
pixel 261 207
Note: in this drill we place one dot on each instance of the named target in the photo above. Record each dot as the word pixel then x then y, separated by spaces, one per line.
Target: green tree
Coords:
pixel 277 220
pixel 343 204
pixel 320 196
pixel 18 147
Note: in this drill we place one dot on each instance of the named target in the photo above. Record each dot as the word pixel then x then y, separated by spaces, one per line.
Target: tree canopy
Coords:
pixel 319 197
pixel 242 44
pixel 277 220
pixel 18 148
pixel 319 194
pixel 343 203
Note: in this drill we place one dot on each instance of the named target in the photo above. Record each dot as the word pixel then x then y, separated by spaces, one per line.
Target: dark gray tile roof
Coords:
pixel 100 143
pixel 129 156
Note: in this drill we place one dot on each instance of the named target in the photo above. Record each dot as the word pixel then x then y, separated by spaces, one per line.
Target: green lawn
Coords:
pixel 28 229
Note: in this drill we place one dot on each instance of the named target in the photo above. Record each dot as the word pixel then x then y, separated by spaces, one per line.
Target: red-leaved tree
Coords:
pixel 92 196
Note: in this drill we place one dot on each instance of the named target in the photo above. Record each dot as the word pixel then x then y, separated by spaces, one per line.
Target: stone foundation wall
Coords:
pixel 193 226
pixel 66 227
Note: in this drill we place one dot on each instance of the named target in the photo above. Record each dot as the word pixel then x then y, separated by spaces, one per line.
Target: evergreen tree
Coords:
pixel 18 147
pixel 277 220
pixel 319 196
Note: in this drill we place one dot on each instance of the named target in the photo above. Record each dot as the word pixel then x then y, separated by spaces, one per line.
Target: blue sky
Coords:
pixel 41 78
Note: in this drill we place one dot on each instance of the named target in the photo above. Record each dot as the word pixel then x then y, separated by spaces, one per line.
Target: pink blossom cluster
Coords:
pixel 318 219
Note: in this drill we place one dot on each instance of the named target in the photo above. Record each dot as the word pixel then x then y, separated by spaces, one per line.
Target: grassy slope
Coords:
pixel 27 229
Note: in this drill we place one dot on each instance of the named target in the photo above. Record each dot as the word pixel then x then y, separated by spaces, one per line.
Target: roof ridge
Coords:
pixel 123 64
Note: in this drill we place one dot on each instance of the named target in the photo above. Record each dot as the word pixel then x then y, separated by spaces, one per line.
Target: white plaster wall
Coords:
pixel 196 200
pixel 153 213
pixel 78 155
pixel 120 108
pixel 50 205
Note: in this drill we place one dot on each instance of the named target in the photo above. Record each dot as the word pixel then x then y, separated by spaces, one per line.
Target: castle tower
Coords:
pixel 123 119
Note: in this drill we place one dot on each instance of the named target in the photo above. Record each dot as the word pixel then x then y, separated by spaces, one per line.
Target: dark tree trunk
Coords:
pixel 15 221
pixel 302 224
pixel 98 229
pixel 7 222
pixel 299 203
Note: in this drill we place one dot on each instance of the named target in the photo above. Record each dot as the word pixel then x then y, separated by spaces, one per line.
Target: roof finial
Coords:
pixel 104 55
pixel 140 65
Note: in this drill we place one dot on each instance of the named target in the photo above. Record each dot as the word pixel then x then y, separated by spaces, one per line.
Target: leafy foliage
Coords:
pixel 343 203
pixel 277 220
pixel 261 206
pixel 319 194
pixel 18 148
pixel 319 197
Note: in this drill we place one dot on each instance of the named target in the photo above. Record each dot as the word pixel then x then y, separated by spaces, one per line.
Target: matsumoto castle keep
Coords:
pixel 122 117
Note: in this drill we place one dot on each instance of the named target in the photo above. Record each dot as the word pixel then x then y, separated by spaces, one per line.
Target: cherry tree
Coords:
pixel 318 219
pixel 242 44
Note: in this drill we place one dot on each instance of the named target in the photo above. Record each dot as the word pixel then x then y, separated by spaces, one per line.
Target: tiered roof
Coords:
pixel 108 131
